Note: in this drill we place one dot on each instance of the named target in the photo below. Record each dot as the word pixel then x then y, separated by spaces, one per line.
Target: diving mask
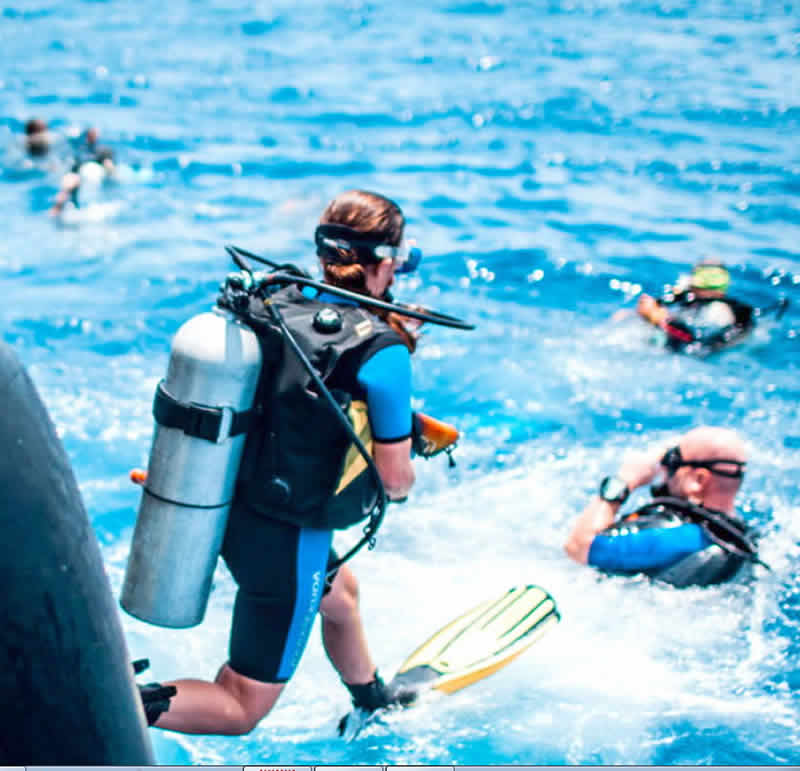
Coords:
pixel 673 460
pixel 406 256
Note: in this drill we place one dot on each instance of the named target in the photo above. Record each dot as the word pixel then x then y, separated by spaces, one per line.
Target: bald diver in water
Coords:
pixel 690 533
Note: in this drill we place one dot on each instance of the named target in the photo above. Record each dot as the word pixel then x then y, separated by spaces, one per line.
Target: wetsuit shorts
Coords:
pixel 280 570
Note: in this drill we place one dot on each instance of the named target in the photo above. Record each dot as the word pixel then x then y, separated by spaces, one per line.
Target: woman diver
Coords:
pixel 278 539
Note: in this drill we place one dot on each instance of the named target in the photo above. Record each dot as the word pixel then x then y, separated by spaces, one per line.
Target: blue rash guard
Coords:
pixel 386 378
pixel 648 549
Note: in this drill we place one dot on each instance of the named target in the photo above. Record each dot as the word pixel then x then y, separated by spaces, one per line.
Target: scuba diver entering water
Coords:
pixel 689 534
pixel 329 439
pixel 699 316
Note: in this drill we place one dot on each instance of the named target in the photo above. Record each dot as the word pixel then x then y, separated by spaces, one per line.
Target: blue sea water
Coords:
pixel 553 158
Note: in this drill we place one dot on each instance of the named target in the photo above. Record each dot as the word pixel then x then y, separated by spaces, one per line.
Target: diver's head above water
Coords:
pixel 37 137
pixel 706 467
pixel 709 279
pixel 360 242
pixel 92 135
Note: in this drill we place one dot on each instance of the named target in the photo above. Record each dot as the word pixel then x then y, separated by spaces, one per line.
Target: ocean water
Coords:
pixel 553 158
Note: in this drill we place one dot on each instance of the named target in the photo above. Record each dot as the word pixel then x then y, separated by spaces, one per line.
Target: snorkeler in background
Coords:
pixel 38 139
pixel 699 316
pixel 92 164
pixel 87 150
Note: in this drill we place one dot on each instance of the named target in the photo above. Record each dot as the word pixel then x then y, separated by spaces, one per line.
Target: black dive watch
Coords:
pixel 614 490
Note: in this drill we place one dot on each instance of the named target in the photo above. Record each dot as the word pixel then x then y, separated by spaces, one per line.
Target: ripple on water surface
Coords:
pixel 551 166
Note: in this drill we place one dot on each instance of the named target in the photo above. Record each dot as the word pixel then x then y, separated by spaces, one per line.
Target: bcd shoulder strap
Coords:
pixel 729 533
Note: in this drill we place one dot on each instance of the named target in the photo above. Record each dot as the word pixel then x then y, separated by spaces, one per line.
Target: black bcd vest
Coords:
pixel 705 340
pixel 299 464
pixel 731 546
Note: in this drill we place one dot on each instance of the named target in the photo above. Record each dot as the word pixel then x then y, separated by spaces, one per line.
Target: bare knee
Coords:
pixel 248 702
pixel 342 601
pixel 239 723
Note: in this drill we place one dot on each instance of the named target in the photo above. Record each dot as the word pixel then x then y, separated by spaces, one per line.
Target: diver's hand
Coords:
pixel 650 309
pixel 411 325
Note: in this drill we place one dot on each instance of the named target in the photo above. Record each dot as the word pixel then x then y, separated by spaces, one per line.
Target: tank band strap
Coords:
pixel 214 424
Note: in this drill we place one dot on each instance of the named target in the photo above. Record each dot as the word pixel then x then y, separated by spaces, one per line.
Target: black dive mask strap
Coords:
pixel 330 239
pixel 673 460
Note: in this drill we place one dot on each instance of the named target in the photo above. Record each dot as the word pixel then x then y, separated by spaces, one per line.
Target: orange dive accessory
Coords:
pixel 430 436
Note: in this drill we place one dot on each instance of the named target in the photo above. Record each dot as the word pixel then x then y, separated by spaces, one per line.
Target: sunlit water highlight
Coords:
pixel 553 159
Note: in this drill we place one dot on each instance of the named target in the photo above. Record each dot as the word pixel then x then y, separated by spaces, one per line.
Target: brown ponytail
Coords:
pixel 374 216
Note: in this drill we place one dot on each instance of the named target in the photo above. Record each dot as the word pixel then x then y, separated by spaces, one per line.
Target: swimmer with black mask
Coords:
pixel 690 533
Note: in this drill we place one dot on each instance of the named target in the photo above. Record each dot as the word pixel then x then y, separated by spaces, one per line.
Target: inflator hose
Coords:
pixel 66 684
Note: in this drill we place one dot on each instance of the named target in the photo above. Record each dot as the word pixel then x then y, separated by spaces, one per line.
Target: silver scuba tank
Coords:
pixel 201 411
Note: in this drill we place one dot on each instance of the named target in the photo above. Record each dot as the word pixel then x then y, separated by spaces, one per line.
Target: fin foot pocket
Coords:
pixel 378 695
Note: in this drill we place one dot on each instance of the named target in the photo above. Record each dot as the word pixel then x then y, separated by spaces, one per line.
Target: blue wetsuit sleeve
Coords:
pixel 648 549
pixel 386 378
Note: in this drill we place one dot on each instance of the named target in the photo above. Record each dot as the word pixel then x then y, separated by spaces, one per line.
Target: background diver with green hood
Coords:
pixel 690 533
pixel 698 315
pixel 277 543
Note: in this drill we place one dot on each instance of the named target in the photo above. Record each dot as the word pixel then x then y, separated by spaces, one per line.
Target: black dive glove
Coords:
pixel 377 695
pixel 155 697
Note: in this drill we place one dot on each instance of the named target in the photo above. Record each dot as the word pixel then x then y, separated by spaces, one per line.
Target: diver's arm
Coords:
pixel 70 182
pixel 597 516
pixel 638 470
pixel 393 460
pixel 386 377
pixel 652 310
